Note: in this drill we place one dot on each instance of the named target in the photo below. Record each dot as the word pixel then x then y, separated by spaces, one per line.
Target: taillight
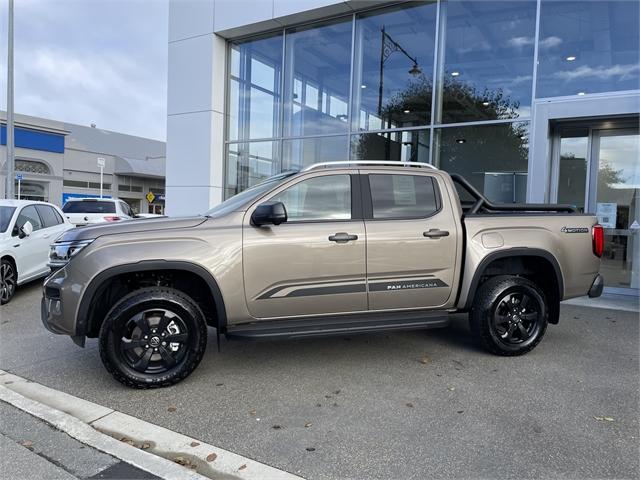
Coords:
pixel 112 218
pixel 597 235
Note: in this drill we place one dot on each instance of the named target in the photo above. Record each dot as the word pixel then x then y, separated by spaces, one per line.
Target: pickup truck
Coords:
pixel 335 249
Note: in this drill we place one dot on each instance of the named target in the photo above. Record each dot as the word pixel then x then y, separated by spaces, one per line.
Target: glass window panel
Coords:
pixel 29 214
pixel 395 49
pixel 492 157
pixel 572 174
pixel 588 47
pixel 300 153
pixel 320 60
pixel 488 60
pixel 249 163
pixel 254 88
pixel 402 196
pixel 405 146
pixel 319 198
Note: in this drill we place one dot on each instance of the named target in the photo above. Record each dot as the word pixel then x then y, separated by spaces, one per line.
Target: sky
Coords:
pixel 90 61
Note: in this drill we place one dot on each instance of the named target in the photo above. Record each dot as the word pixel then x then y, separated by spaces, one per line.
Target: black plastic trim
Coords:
pixel 146 266
pixel 513 252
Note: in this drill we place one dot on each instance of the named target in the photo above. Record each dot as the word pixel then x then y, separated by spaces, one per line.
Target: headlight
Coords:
pixel 62 252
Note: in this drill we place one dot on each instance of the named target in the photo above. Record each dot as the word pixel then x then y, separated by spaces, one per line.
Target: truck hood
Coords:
pixel 130 226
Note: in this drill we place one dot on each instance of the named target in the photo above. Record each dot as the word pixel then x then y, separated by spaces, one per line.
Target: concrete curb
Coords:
pixel 95 425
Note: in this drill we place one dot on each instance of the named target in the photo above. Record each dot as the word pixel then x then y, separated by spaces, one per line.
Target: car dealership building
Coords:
pixel 56 161
pixel 530 100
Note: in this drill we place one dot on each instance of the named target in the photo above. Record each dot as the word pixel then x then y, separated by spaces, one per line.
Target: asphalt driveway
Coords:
pixel 424 404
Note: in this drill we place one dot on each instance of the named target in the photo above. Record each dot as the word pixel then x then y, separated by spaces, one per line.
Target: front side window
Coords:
pixel 5 217
pixel 48 215
pixel 319 198
pixel 29 214
pixel 403 196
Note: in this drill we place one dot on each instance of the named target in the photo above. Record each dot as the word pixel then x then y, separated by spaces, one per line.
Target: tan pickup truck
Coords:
pixel 338 248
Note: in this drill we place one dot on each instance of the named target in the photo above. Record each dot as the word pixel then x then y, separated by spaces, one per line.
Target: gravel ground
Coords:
pixel 424 404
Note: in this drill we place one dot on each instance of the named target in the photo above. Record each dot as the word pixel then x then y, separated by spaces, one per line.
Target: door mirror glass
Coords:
pixel 26 230
pixel 269 213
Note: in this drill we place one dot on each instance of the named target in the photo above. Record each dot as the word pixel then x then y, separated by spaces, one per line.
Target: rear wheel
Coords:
pixel 154 337
pixel 509 315
pixel 8 281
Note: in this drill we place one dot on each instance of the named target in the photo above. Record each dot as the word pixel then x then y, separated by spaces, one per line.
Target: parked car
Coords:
pixel 84 211
pixel 338 248
pixel 27 229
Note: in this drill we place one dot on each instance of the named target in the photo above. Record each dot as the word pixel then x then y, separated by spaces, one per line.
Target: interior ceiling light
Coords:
pixel 486 104
pixel 363 86
pixel 461 140
pixel 581 93
pixel 455 74
pixel 570 58
pixel 407 111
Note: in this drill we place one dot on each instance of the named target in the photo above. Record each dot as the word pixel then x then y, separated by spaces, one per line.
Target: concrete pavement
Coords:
pixel 402 405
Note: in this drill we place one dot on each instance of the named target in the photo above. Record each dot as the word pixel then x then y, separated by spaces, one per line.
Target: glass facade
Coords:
pixel 448 82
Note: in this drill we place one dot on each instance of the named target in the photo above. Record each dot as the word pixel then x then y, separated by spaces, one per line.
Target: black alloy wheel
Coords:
pixel 154 341
pixel 8 281
pixel 153 337
pixel 509 315
pixel 516 318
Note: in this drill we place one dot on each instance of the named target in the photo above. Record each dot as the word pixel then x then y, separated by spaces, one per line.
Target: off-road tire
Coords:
pixel 490 300
pixel 144 300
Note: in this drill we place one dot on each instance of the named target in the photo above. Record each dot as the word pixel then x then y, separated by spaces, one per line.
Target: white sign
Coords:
pixel 607 213
pixel 101 162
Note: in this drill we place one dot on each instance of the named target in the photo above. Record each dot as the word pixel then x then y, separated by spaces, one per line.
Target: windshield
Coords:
pixel 5 217
pixel 89 206
pixel 247 196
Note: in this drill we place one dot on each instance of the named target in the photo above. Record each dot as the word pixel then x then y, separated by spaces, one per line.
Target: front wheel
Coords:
pixel 8 281
pixel 509 315
pixel 153 337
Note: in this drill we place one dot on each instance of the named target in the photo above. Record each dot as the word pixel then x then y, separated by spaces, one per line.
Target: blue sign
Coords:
pixel 19 176
pixel 34 139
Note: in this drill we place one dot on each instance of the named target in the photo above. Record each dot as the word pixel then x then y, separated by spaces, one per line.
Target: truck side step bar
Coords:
pixel 339 325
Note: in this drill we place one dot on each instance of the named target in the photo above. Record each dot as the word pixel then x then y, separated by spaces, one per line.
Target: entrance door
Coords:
pixel 614 195
pixel 598 171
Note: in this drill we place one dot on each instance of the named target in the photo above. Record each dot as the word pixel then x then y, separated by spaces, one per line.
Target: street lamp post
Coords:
pixel 101 163
pixel 10 168
pixel 387 47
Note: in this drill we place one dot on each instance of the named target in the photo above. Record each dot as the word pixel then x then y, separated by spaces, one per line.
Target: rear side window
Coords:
pixel 48 216
pixel 29 214
pixel 403 196
pixel 91 206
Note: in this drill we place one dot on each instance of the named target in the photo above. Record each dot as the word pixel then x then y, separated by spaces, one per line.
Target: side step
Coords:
pixel 326 326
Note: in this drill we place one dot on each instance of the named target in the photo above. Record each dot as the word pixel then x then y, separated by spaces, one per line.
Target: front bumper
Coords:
pixel 61 294
pixel 596 287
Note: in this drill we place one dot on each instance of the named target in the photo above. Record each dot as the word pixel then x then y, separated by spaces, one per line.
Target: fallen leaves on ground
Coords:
pixel 605 419
pixel 172 408
pixel 308 424
pixel 26 443
pixel 211 457
pixel 252 413
pixel 277 427
pixel 450 388
pixel 242 467
pixel 409 404
pixel 425 360
pixel 145 446
pixel 194 444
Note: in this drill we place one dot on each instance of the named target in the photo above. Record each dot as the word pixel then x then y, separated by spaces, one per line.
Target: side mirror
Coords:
pixel 269 213
pixel 25 230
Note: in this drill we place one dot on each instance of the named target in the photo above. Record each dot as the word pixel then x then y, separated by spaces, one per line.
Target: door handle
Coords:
pixel 342 237
pixel 435 233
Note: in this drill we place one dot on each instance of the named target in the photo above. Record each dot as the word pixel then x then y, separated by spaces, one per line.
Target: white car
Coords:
pixel 83 211
pixel 27 228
